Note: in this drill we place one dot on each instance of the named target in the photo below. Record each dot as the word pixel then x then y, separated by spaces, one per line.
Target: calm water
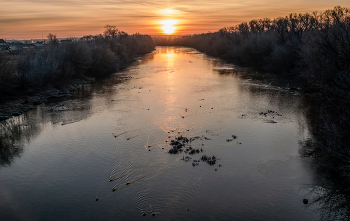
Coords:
pixel 110 142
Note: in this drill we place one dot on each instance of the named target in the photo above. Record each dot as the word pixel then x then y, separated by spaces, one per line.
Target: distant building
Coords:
pixel 29 46
pixel 2 42
pixel 66 41
pixel 3 45
pixel 39 43
pixel 4 48
pixel 16 45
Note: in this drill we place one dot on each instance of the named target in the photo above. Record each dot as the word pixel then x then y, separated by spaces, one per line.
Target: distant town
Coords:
pixel 18 46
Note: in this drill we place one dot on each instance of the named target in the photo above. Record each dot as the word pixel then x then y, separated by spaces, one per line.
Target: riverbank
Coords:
pixel 18 102
pixel 34 76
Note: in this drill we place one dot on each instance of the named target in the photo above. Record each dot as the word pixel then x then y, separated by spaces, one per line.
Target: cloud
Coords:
pixel 79 17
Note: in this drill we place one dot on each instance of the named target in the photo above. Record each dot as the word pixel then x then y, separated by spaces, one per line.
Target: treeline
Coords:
pixel 315 46
pixel 58 63
pixel 329 144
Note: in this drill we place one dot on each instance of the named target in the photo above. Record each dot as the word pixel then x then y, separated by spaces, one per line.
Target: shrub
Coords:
pixel 7 68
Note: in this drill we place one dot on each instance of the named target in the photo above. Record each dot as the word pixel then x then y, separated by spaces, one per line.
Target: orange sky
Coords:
pixel 27 19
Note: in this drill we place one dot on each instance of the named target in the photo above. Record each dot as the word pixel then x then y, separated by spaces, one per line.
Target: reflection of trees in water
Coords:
pixel 290 106
pixel 15 132
pixel 333 203
pixel 227 72
pixel 329 124
pixel 259 76
pixel 9 149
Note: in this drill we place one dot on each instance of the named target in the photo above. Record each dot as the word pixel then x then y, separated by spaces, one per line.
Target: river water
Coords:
pixel 103 154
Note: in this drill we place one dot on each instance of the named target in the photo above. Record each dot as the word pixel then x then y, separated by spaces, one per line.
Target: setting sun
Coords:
pixel 169 26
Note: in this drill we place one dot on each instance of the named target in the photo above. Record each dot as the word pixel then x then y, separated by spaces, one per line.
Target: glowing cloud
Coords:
pixel 168 12
pixel 26 19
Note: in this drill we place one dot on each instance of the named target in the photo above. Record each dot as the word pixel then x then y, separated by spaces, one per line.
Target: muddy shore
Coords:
pixel 19 103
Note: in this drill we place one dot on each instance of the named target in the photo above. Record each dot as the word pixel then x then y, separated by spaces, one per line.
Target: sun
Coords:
pixel 168 27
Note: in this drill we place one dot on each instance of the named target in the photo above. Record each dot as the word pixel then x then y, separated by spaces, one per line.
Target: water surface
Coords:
pixel 110 143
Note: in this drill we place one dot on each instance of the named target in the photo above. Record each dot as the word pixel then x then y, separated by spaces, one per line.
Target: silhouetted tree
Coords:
pixel 52 39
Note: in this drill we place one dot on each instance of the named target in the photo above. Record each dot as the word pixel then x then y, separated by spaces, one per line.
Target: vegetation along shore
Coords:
pixel 30 77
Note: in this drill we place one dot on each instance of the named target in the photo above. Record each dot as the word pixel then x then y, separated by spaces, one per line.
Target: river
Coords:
pixel 103 153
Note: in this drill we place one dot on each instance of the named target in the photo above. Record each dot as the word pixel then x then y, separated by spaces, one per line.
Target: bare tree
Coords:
pixel 52 39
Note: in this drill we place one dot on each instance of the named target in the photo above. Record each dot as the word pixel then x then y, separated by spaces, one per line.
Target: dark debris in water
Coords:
pixel 209 160
pixel 183 144
pixel 305 201
pixel 231 139
pixel 186 159
pixel 270 113
pixel 206 159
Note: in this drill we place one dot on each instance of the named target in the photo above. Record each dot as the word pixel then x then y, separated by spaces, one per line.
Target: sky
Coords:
pixel 34 19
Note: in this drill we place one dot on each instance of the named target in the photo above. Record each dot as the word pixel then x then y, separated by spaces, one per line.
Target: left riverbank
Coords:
pixel 31 77
pixel 17 102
